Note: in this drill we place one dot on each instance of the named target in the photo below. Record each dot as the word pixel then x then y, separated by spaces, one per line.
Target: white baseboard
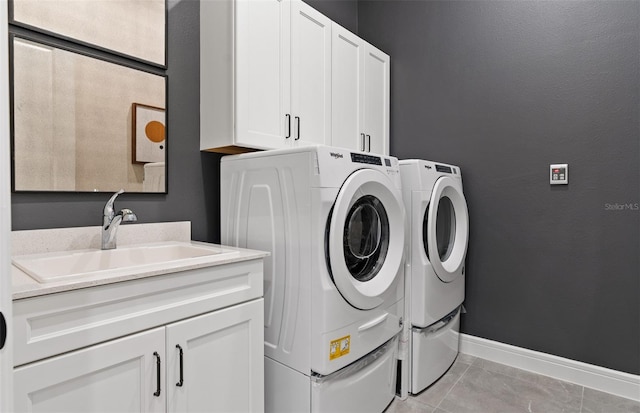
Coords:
pixel 588 375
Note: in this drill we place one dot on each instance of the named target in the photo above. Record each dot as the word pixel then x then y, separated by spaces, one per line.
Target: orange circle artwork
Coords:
pixel 154 131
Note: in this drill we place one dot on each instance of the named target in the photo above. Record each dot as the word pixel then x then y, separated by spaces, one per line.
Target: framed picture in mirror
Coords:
pixel 149 140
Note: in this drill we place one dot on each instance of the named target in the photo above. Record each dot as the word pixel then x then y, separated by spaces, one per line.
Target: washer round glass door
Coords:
pixel 446 229
pixel 366 238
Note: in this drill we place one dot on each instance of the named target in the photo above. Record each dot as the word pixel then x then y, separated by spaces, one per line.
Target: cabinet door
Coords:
pixel 310 75
pixel 117 376
pixel 222 366
pixel 262 70
pixel 347 91
pixel 376 102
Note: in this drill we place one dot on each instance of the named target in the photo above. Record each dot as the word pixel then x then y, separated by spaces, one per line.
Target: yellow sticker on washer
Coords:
pixel 339 347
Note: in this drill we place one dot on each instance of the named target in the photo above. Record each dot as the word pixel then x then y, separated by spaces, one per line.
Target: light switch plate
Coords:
pixel 559 174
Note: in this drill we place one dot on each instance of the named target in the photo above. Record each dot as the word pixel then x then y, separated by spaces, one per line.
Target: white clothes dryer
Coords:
pixel 436 244
pixel 333 221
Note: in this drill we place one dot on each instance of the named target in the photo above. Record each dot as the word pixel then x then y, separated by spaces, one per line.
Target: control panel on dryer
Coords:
pixel 447 169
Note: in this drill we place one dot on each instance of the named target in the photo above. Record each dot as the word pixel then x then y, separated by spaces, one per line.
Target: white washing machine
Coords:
pixel 436 244
pixel 333 221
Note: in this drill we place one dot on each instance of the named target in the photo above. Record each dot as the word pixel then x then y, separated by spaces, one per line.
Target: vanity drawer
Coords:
pixel 57 323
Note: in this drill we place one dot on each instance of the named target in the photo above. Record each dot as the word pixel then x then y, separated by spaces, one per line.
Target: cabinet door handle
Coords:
pixel 289 126
pixel 298 121
pixel 362 146
pixel 159 368
pixel 3 330
pixel 181 382
pixel 369 139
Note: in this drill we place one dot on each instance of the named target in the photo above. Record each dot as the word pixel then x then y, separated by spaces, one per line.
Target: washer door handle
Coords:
pixel 373 322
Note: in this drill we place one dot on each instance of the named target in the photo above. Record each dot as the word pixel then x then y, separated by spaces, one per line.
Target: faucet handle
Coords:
pixel 108 207
pixel 127 215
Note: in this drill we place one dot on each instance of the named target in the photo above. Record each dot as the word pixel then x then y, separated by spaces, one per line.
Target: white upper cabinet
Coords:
pixel 273 75
pixel 376 100
pixel 348 89
pixel 262 73
pixel 265 75
pixel 244 74
pixel 360 94
pixel 310 75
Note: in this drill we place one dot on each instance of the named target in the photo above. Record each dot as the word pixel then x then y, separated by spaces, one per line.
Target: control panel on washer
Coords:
pixel 368 159
pixel 375 160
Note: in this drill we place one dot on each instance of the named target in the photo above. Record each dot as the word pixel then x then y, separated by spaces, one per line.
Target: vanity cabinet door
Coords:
pixel 117 376
pixel 215 361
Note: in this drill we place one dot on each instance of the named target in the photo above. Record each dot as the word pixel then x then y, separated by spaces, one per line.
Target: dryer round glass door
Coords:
pixel 365 238
pixel 446 229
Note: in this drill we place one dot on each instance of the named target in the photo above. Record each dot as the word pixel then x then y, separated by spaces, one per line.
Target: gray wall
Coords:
pixel 504 89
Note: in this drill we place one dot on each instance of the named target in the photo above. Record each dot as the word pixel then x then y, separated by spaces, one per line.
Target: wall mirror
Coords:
pixel 85 124
pixel 134 28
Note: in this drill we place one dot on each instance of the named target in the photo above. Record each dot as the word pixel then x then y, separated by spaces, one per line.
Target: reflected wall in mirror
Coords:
pixel 134 28
pixel 72 122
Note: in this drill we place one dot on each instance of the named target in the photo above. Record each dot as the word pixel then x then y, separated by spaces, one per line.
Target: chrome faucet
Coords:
pixel 111 221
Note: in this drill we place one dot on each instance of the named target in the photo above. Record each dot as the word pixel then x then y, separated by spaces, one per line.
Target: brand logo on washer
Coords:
pixel 336 155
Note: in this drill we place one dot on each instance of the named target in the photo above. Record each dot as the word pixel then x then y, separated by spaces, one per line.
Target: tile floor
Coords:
pixel 481 386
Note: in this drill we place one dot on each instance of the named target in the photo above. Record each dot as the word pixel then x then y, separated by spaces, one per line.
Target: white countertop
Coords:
pixel 70 239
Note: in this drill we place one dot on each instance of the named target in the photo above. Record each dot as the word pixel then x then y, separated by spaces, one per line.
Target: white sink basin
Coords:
pixel 128 260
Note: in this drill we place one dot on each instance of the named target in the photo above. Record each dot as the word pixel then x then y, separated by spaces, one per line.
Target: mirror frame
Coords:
pixel 107 57
pixel 18 23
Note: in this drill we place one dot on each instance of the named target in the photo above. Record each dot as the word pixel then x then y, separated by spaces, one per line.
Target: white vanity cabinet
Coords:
pixel 265 75
pixel 190 341
pixel 360 99
pixel 215 361
pixel 117 376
